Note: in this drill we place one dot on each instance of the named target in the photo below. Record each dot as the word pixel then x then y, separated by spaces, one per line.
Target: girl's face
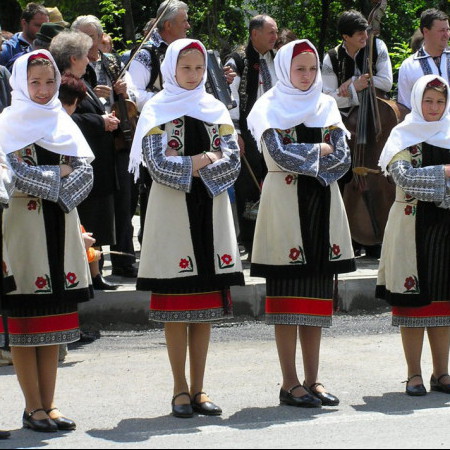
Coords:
pixel 433 105
pixel 190 70
pixel 303 70
pixel 41 84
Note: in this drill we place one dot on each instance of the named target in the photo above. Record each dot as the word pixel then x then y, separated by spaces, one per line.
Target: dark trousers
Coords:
pixel 247 191
pixel 125 202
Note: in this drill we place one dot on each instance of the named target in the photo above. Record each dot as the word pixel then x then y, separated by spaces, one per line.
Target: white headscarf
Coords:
pixel 26 122
pixel 415 129
pixel 174 102
pixel 284 106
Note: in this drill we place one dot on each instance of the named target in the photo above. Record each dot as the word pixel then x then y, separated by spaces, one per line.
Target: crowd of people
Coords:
pixel 68 165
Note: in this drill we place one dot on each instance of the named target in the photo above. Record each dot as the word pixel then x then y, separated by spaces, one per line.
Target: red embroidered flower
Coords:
pixel 408 210
pixel 41 283
pixel 295 254
pixel 328 138
pixel 28 152
pixel 217 142
pixel 32 205
pixel 173 143
pixel 289 179
pixel 214 130
pixel 71 277
pixel 414 163
pixel 175 122
pixel 414 150
pixel 184 264
pixel 287 140
pixel 336 249
pixel 227 259
pixel 410 283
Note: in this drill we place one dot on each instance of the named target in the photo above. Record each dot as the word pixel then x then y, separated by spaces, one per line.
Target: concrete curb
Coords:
pixel 126 305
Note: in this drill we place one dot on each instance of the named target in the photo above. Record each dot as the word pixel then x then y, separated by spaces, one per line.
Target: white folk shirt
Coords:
pixel 235 112
pixel 382 80
pixel 411 70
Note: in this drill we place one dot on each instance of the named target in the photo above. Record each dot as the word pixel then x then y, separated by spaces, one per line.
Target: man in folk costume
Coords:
pixel 255 75
pixel 342 70
pixel 432 58
pixel 145 69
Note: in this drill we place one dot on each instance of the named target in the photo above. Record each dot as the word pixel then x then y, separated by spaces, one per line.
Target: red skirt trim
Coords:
pixel 186 302
pixel 299 305
pixel 44 324
pixel 436 309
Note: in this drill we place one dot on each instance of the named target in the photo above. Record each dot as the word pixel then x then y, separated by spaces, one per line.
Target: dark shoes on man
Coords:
pixel 5 434
pixel 125 271
pixel 100 284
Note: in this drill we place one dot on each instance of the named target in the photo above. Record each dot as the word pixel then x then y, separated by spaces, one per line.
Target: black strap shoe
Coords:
pixel 63 423
pixel 206 408
pixel 415 391
pixel 183 411
pixel 5 434
pixel 438 386
pixel 326 398
pixel 42 425
pixel 305 401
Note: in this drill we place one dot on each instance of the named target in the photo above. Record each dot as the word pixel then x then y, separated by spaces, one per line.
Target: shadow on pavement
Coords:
pixel 138 430
pixel 398 403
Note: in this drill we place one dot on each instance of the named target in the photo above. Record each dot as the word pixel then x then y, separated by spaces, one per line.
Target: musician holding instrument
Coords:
pixel 117 94
pixel 432 58
pixel 72 51
pixel 145 67
pixel 358 75
pixel 415 264
pixel 255 75
pixel 342 70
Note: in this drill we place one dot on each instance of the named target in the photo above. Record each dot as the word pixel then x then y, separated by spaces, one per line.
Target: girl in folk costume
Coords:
pixel 414 269
pixel 190 256
pixel 49 156
pixel 7 181
pixel 302 236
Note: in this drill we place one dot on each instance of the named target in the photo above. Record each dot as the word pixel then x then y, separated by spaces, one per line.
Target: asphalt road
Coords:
pixel 118 390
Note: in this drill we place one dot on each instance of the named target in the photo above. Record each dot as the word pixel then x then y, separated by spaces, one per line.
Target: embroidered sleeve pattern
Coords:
pixel 335 166
pixel 295 158
pixel 221 175
pixel 39 181
pixel 427 184
pixel 76 187
pixel 171 171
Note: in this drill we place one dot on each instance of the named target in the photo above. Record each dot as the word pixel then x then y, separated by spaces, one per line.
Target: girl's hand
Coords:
pixel 447 171
pixel 171 152
pixel 326 149
pixel 65 170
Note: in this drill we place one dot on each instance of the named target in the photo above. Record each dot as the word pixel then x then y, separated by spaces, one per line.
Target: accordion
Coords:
pixel 217 84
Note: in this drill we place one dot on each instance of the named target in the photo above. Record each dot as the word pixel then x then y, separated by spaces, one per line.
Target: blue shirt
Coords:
pixel 13 46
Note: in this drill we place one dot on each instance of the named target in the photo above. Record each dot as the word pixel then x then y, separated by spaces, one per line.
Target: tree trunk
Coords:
pixel 324 27
pixel 128 22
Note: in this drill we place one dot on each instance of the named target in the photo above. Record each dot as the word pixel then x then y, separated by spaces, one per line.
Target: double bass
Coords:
pixel 369 195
